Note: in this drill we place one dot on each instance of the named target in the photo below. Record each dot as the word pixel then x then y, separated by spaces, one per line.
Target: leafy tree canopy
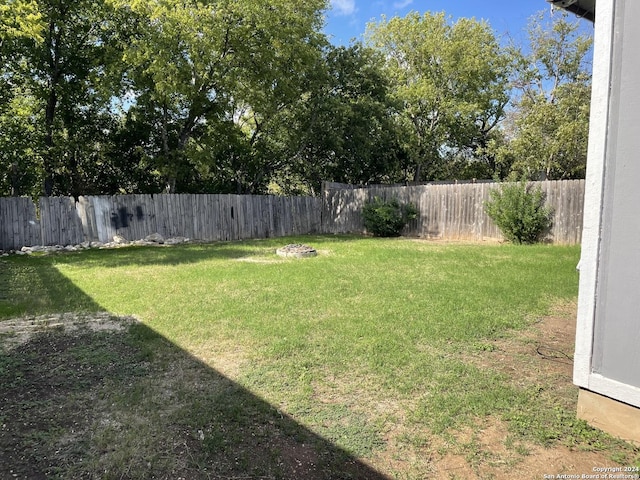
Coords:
pixel 450 80
pixel 144 96
pixel 547 130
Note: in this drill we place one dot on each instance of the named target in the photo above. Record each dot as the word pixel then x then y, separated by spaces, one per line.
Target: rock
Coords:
pixel 119 239
pixel 155 238
pixel 297 250
pixel 176 240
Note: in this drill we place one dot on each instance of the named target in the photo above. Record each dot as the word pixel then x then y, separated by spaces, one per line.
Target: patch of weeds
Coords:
pixel 461 393
pixel 483 347
pixel 547 425
pixel 415 440
pixel 518 447
pixel 11 370
pixel 580 435
pixel 625 456
pixel 529 424
pixel 49 386
pixel 473 451
pixel 351 430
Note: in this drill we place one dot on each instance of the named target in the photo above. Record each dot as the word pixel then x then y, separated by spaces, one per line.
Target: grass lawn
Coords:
pixel 383 353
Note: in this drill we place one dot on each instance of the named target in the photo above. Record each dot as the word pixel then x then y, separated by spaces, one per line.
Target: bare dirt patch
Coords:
pixel 19 331
pixel 541 357
pixel 541 354
pixel 486 453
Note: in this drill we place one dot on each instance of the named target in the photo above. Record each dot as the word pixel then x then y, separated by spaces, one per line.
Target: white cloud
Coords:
pixel 344 7
pixel 402 4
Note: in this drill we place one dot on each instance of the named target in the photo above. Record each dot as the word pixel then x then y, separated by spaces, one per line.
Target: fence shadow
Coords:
pixel 192 253
pixel 107 397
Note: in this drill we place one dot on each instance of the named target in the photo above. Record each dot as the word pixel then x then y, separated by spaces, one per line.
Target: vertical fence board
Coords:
pixel 19 224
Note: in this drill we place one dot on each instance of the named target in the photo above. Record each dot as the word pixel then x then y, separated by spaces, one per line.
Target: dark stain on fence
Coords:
pixel 122 217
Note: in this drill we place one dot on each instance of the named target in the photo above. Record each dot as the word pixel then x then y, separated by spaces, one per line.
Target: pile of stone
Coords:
pixel 117 242
pixel 297 250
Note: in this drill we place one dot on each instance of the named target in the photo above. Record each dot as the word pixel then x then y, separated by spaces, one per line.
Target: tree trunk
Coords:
pixel 417 175
pixel 48 140
pixel 170 184
pixel 15 184
pixel 53 60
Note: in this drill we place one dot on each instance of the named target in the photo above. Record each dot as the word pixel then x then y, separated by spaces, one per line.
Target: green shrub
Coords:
pixel 387 219
pixel 519 211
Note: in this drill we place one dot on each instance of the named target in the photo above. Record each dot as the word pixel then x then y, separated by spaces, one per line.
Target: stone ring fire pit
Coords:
pixel 297 250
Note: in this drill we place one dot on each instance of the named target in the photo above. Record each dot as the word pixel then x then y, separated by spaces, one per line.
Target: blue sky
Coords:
pixel 347 19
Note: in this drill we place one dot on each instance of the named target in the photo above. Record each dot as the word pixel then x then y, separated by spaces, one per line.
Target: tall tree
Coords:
pixel 20 22
pixel 450 79
pixel 57 59
pixel 199 67
pixel 547 130
pixel 342 129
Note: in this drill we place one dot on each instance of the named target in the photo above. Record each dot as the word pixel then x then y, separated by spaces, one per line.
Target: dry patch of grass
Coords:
pixel 19 331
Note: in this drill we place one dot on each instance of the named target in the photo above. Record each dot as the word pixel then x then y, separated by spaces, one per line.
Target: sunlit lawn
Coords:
pixel 370 334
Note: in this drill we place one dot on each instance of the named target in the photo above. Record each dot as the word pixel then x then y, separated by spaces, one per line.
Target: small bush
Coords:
pixel 387 219
pixel 518 210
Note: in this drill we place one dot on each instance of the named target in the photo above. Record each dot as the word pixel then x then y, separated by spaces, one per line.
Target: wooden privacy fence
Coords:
pixel 446 212
pixel 453 211
pixel 62 221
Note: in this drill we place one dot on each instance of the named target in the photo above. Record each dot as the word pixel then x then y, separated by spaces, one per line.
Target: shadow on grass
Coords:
pixel 191 253
pixel 33 286
pixel 113 399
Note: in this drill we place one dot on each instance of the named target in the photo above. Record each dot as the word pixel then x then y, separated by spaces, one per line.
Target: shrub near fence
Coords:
pixel 451 211
pixel 203 217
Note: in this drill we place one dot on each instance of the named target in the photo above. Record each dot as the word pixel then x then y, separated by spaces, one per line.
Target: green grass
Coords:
pixel 370 333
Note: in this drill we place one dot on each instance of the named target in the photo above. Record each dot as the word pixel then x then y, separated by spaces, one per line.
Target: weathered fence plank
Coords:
pixel 59 221
pixel 18 222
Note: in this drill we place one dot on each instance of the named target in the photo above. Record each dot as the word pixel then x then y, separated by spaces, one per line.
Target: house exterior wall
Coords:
pixel 606 360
